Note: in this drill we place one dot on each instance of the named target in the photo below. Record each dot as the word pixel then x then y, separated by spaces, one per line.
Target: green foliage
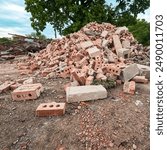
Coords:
pixel 68 16
pixel 37 36
pixel 141 31
pixel 108 84
pixel 5 41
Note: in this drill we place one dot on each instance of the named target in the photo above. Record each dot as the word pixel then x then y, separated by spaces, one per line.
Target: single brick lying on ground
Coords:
pixel 27 92
pixel 50 109
pixel 85 93
pixel 129 87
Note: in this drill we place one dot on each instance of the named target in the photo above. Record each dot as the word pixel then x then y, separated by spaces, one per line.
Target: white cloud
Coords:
pixel 12 11
pixel 4 31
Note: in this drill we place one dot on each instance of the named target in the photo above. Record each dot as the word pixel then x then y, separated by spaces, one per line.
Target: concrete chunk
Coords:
pixel 144 70
pixel 85 93
pixel 117 43
pixel 123 52
pixel 126 44
pixel 129 72
pixel 120 30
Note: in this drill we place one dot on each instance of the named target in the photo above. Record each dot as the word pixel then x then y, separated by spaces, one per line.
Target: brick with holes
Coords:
pixel 50 109
pixel 27 92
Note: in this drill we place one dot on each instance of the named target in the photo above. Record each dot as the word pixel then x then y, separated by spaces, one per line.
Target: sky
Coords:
pixel 14 19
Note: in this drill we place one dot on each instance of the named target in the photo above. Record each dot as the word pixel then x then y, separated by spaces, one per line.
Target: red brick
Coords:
pixel 25 72
pixel 89 80
pixel 86 44
pixel 140 79
pixel 50 109
pixel 15 86
pixel 104 34
pixel 5 86
pixel 27 92
pixel 129 87
pixel 76 76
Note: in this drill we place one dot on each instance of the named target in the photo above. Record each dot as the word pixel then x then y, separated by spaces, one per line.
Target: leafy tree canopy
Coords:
pixel 37 36
pixel 68 16
pixel 141 31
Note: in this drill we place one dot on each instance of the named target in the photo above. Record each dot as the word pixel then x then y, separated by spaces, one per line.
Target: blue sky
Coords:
pixel 14 19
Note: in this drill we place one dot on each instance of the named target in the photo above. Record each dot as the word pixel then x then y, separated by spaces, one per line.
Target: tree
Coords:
pixel 141 31
pixel 37 36
pixel 68 16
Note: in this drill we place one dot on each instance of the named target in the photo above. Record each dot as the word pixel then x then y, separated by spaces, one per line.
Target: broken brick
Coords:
pixel 5 86
pixel 129 87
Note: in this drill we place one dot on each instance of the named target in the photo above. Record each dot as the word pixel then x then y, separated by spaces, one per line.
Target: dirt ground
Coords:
pixel 119 122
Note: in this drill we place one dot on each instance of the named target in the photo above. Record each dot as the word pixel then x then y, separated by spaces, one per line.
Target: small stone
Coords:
pixel 134 146
pixel 79 107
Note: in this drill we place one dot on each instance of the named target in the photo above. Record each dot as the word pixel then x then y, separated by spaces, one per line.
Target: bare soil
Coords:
pixel 119 122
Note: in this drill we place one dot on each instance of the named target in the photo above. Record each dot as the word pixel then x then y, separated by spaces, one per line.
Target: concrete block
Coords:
pixel 126 44
pixel 27 92
pixel 129 72
pixel 121 30
pixel 123 52
pixel 129 87
pixel 93 51
pixel 85 93
pixel 117 43
pixel 50 109
pixel 144 70
pixel 104 43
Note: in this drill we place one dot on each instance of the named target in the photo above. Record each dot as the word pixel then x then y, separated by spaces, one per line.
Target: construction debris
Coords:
pixel 97 51
pixel 85 93
pixel 50 109
pixel 5 86
pixel 21 45
pixel 129 72
pixel 27 92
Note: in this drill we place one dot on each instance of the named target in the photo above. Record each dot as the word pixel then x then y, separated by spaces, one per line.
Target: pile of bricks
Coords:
pixel 97 51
